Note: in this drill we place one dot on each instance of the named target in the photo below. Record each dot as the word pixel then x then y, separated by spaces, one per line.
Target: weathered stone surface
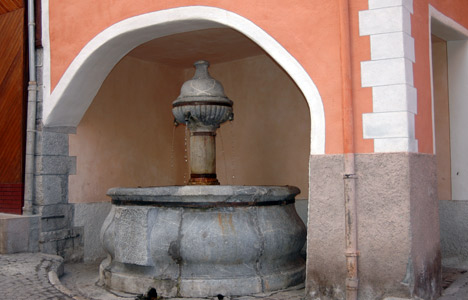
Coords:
pixel 67 243
pixel 51 189
pixel 280 250
pixel 55 165
pixel 326 265
pixel 203 240
pixel 52 143
pixel 91 216
pixel 425 227
pixel 19 233
pixel 165 244
pixel 204 193
pixel 55 217
pixel 397 226
pixel 453 232
pixel 132 226
pixel 107 234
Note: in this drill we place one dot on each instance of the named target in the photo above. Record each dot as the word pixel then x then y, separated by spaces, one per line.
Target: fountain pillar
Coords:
pixel 202 106
pixel 203 158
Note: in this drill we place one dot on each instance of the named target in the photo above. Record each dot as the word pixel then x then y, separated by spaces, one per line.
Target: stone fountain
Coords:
pixel 203 239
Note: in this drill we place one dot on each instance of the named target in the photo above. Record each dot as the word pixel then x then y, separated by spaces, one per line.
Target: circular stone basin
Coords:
pixel 201 241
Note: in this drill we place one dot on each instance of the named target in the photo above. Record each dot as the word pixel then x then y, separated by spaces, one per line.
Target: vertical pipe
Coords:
pixel 31 116
pixel 349 177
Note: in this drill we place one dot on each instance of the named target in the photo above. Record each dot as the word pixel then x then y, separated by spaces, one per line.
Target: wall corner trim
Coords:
pixel 390 75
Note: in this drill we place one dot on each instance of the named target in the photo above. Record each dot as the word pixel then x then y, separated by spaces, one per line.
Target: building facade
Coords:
pixel 360 103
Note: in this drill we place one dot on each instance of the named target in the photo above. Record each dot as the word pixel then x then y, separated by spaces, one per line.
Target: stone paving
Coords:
pixel 26 276
pixel 33 276
pixel 83 279
pixel 458 290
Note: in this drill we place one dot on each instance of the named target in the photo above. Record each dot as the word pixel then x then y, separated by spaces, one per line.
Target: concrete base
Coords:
pixel 454 233
pixel 19 233
pixel 201 241
pixel 398 227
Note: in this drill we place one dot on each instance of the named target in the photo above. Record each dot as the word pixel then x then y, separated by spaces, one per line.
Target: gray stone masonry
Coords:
pixel 19 233
pixel 203 240
pixel 453 232
pixel 53 165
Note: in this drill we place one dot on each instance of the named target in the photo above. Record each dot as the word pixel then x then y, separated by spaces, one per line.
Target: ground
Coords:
pixel 34 276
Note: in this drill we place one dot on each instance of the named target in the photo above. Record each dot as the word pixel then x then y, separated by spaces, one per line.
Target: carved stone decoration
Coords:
pixel 202 106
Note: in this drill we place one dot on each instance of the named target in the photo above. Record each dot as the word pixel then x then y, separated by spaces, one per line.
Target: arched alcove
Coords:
pixel 127 136
pixel 124 140
pixel 68 102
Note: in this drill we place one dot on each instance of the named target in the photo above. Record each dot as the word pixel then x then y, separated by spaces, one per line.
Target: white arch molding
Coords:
pixel 66 105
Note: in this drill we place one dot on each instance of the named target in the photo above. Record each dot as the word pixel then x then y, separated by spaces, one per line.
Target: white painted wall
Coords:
pixel 457 52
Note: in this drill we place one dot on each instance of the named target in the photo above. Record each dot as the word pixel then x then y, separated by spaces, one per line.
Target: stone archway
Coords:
pixel 66 105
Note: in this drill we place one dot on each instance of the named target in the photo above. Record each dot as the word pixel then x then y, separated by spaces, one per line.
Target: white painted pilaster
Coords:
pixel 390 75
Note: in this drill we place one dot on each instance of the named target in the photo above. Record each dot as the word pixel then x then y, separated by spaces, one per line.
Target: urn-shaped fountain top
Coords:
pixel 202 102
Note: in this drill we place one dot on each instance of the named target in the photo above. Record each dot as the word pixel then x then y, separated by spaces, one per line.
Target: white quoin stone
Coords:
pixel 388 125
pixel 392 45
pixel 390 74
pixel 386 72
pixel 385 20
pixel 398 97
pixel 396 145
pixel 408 4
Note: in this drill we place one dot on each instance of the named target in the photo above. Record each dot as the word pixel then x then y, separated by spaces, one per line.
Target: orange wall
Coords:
pixel 308 29
pixel 458 11
pixel 315 44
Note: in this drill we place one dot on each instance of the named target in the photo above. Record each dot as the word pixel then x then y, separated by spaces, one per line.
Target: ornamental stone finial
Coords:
pixel 202 106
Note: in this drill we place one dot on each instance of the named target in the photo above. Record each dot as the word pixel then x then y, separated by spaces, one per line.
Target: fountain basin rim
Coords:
pixel 204 196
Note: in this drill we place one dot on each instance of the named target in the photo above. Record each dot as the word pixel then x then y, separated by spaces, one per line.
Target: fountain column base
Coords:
pixel 201 241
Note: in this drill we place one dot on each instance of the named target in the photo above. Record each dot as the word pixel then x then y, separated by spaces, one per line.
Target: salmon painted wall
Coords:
pixel 455 9
pixel 309 30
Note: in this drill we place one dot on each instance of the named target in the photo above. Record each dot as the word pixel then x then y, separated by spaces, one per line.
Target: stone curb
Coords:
pixel 457 289
pixel 54 280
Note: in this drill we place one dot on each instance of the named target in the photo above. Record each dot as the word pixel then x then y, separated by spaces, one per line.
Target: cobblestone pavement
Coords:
pixel 25 276
pixel 28 276
pixel 83 279
pixel 458 290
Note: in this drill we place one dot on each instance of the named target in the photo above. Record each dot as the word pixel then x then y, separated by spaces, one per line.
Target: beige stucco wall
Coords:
pixel 268 141
pixel 125 137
